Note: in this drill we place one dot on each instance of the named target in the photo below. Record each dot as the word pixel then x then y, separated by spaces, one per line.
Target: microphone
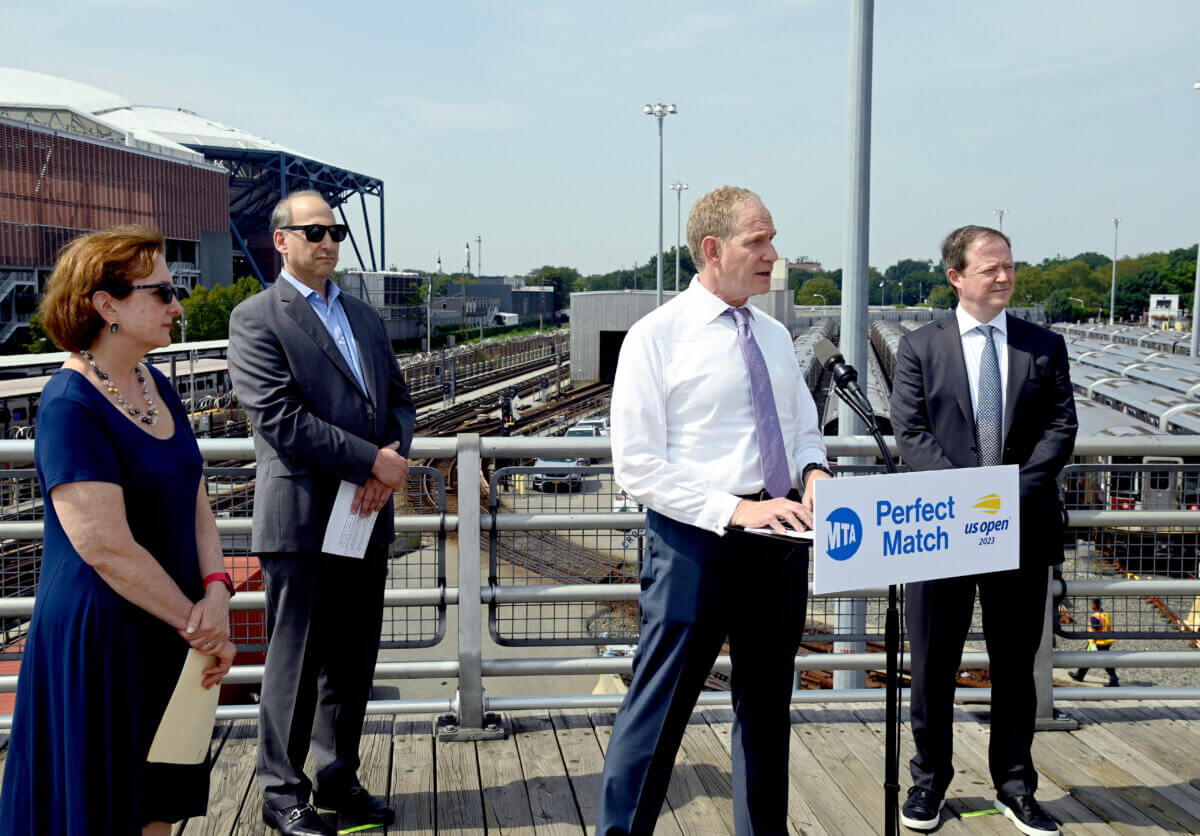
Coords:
pixel 845 376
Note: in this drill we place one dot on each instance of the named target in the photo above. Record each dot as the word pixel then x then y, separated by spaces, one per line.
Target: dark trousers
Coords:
pixel 938 617
pixel 1112 672
pixel 699 589
pixel 324 614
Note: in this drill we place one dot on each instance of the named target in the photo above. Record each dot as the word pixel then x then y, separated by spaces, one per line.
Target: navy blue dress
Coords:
pixel 97 671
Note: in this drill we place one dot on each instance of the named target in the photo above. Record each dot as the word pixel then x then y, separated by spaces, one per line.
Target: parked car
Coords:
pixel 580 431
pixel 601 425
pixel 550 478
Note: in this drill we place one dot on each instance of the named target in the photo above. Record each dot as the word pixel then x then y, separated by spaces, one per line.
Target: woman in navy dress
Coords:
pixel 132 572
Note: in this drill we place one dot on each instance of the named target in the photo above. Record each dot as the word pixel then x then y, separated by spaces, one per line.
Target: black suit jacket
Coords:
pixel 313 424
pixel 934 420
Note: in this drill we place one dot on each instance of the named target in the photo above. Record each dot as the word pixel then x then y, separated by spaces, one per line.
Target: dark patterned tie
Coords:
pixel 776 478
pixel 989 415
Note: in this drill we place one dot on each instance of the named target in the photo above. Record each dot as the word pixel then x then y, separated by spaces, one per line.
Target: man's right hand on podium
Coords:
pixel 775 514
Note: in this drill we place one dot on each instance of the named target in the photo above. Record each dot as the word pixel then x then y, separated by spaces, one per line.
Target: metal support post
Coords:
pixel 1112 301
pixel 1043 670
pixel 470 722
pixel 851 613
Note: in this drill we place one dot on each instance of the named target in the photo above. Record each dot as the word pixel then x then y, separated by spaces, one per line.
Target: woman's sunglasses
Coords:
pixel 165 290
pixel 316 232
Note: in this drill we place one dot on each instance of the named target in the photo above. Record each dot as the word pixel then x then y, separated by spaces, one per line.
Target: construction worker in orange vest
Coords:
pixel 1099 622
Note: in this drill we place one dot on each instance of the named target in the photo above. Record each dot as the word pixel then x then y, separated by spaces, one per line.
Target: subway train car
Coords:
pixel 1133 483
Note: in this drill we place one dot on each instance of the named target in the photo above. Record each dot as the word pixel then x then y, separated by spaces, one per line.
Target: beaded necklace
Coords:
pixel 151 416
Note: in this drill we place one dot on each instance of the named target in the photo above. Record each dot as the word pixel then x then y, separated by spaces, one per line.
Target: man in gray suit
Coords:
pixel 315 372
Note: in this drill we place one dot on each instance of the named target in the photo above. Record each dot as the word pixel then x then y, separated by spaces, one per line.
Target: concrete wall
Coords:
pixel 603 311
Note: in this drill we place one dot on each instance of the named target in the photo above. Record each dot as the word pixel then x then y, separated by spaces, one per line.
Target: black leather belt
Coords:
pixel 763 496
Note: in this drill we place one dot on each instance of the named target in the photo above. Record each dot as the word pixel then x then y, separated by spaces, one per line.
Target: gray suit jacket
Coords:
pixel 313 425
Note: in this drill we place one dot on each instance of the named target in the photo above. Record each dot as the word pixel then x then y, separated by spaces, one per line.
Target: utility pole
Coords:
pixel 678 188
pixel 466 273
pixel 1112 300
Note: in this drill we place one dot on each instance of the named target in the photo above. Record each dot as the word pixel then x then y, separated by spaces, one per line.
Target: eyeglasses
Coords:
pixel 165 290
pixel 315 233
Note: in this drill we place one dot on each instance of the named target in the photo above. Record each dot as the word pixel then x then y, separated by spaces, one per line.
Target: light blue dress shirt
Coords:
pixel 333 316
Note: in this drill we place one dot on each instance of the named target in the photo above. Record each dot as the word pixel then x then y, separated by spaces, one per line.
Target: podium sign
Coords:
pixel 901 527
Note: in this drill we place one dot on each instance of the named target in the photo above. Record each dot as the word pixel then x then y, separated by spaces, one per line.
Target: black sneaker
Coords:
pixel 923 809
pixel 1078 677
pixel 1026 814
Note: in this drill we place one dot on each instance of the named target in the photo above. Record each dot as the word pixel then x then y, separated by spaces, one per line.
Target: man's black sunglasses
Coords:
pixel 165 290
pixel 316 232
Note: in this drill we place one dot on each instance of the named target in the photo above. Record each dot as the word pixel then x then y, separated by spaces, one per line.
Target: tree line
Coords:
pixel 1058 284
pixel 1069 289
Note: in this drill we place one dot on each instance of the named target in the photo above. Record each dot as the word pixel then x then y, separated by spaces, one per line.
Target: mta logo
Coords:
pixel 989 504
pixel 843 534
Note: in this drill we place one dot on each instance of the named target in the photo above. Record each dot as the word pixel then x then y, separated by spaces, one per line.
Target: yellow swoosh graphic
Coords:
pixel 989 504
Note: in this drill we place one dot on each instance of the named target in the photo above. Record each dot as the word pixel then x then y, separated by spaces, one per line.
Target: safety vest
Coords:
pixel 1105 627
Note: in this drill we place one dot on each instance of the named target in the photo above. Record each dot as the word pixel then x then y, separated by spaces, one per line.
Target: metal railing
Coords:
pixel 578 573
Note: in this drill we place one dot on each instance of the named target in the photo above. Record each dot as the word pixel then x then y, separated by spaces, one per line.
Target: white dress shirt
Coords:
pixel 973 342
pixel 683 436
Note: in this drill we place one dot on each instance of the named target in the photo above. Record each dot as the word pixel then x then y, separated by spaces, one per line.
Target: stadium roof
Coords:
pixel 260 170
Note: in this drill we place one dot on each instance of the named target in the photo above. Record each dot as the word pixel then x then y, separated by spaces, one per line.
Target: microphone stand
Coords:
pixel 891 733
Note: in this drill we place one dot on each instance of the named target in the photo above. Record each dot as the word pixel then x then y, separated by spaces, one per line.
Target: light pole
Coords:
pixel 1112 299
pixel 479 256
pixel 882 295
pixel 819 296
pixel 1196 292
pixel 678 188
pixel 660 110
pixel 1000 213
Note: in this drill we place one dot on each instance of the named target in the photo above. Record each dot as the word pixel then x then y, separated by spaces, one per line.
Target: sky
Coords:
pixel 521 122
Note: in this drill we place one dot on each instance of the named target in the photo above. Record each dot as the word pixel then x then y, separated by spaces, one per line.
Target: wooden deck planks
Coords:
pixel 970 791
pixel 811 781
pixel 505 794
pixel 551 798
pixel 1130 770
pixel 972 735
pixel 584 762
pixel 459 794
pixel 801 817
pixel 231 782
pixel 411 786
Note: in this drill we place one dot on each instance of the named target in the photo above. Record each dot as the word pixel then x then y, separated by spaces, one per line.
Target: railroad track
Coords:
pixel 433 394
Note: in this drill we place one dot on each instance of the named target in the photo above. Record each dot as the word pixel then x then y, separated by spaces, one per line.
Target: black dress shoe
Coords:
pixel 1026 814
pixel 356 803
pixel 301 820
pixel 923 809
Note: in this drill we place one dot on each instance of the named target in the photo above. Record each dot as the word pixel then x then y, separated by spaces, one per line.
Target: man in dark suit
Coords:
pixel 979 388
pixel 315 372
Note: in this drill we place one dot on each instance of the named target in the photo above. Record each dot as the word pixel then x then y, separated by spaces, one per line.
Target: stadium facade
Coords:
pixel 74 158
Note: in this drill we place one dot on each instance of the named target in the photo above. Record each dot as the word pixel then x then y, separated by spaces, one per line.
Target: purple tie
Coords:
pixel 776 478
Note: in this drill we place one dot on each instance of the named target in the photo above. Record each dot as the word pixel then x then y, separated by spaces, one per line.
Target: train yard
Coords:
pixel 533 377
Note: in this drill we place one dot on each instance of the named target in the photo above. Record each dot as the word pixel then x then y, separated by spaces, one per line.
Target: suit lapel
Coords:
pixel 956 369
pixel 1019 364
pixel 297 307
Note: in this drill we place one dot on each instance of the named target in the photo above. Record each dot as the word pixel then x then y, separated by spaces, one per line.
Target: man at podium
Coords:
pixel 975 389
pixel 713 426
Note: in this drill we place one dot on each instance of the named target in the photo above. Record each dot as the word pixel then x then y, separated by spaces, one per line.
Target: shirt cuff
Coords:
pixel 717 511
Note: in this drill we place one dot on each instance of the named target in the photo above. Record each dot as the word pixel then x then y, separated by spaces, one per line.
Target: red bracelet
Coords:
pixel 223 577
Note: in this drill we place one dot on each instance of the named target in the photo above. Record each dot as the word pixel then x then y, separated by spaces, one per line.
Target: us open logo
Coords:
pixel 843 533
